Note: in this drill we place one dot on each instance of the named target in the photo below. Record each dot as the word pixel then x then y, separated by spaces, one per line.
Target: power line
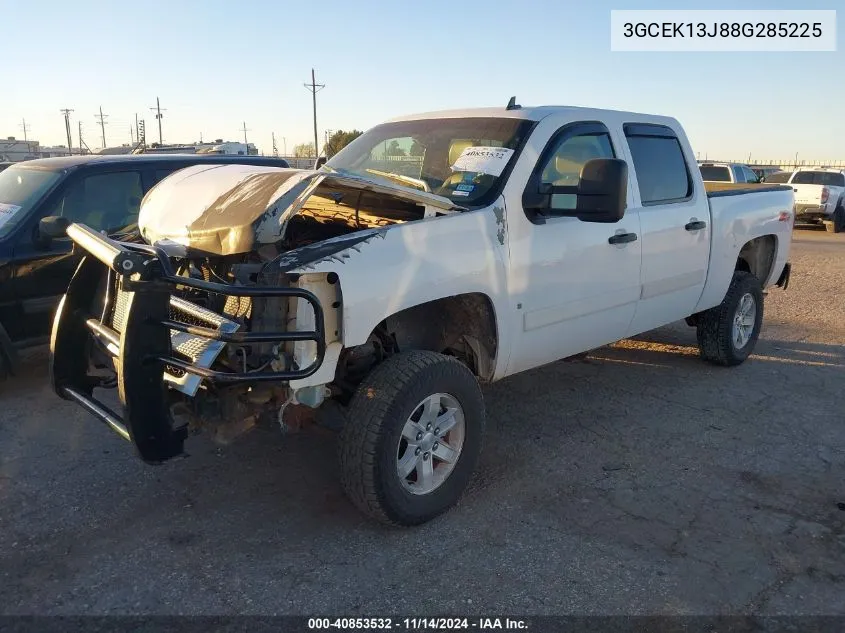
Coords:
pixel 159 116
pixel 314 87
pixel 103 122
pixel 66 112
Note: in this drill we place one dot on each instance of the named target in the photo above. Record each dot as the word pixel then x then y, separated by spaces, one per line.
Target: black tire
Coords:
pixel 838 224
pixel 376 416
pixel 715 326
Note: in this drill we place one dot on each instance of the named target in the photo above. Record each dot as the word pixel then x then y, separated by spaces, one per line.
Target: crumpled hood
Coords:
pixel 229 209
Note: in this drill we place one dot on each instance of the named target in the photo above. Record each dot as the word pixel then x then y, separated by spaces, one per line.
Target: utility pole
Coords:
pixel 131 137
pixel 244 130
pixel 26 129
pixel 285 144
pixel 137 136
pixel 159 116
pixel 66 112
pixel 314 87
pixel 80 136
pixel 102 118
pixel 275 150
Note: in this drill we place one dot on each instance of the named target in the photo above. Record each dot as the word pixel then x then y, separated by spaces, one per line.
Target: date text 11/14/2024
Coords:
pixel 417 624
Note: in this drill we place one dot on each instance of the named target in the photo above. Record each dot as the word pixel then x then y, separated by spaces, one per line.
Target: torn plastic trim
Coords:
pixel 334 249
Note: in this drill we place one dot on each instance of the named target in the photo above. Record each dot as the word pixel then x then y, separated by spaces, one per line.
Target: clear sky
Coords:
pixel 218 63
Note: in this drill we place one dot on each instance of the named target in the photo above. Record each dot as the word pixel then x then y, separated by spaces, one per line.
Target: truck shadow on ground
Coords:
pixel 678 464
pixel 272 487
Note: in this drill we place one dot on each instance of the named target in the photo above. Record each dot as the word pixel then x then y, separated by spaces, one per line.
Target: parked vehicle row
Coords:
pixel 819 191
pixel 38 199
pixel 379 301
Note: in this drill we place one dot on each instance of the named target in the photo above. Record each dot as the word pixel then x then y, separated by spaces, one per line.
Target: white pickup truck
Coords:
pixel 819 196
pixel 434 253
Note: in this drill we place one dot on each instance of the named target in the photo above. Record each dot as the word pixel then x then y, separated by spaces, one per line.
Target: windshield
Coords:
pixel 20 190
pixel 715 174
pixel 461 159
pixel 829 178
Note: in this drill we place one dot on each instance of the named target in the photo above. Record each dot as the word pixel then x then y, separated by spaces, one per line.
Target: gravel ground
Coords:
pixel 638 481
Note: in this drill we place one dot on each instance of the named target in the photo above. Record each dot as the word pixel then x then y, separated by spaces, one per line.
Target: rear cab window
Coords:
pixel 828 178
pixel 715 173
pixel 661 169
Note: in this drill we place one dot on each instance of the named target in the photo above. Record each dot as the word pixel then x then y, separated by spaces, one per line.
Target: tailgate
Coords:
pixel 808 194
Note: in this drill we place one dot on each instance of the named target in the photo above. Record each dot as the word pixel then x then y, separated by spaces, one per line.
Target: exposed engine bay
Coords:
pixel 323 218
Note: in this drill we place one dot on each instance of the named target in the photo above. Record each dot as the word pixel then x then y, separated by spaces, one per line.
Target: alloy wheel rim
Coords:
pixel 744 320
pixel 431 443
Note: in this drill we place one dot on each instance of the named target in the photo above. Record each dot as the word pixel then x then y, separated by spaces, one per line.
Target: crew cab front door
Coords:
pixel 675 220
pixel 41 271
pixel 575 284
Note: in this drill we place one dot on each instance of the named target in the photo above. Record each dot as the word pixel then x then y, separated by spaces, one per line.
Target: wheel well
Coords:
pixel 758 256
pixel 462 325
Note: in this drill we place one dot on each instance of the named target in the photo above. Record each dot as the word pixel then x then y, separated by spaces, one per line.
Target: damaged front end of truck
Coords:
pixel 206 321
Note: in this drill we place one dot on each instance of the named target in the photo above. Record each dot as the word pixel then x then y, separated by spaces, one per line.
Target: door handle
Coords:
pixel 622 238
pixel 695 225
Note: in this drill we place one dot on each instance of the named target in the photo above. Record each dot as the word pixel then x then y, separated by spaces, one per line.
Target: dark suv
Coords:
pixel 38 198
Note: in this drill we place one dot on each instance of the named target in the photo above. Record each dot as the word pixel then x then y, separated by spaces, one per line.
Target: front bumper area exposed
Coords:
pixel 159 342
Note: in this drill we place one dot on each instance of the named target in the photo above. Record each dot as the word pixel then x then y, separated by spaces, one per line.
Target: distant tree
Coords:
pixel 339 140
pixel 393 149
pixel 416 149
pixel 304 150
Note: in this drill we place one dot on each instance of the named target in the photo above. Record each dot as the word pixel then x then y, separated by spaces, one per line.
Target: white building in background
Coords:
pixel 15 150
pixel 219 146
pixel 228 148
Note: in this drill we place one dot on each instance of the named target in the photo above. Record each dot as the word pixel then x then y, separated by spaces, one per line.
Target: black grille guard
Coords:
pixel 142 349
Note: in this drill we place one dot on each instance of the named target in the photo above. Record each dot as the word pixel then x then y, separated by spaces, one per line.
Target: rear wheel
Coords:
pixel 412 438
pixel 838 223
pixel 728 332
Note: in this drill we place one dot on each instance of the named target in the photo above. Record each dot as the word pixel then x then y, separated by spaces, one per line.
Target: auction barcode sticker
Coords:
pixel 725 31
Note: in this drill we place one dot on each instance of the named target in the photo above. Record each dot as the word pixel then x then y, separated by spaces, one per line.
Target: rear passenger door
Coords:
pixel 675 226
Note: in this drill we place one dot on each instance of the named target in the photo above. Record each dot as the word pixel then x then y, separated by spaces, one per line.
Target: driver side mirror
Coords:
pixel 599 196
pixel 52 227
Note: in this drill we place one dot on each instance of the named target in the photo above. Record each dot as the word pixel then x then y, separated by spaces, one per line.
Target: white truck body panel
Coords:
pixel 559 288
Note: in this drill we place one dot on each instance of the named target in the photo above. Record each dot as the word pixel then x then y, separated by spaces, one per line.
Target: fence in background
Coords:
pixel 786 165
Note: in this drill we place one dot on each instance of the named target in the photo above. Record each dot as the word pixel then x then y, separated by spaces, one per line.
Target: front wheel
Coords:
pixel 412 438
pixel 837 225
pixel 728 332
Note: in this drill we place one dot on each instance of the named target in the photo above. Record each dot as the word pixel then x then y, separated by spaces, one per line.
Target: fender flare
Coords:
pixel 8 352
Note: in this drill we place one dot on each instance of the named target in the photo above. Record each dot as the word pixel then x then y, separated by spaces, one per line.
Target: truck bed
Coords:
pixel 715 189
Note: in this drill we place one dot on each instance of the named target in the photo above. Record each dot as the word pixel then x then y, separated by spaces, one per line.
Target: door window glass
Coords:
pixel 103 201
pixel 661 169
pixel 563 167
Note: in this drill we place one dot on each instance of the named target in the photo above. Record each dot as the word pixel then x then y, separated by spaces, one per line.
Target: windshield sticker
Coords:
pixel 483 160
pixel 458 192
pixel 7 212
pixel 465 187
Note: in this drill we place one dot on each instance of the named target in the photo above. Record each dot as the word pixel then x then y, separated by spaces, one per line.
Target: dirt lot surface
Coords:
pixel 638 481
